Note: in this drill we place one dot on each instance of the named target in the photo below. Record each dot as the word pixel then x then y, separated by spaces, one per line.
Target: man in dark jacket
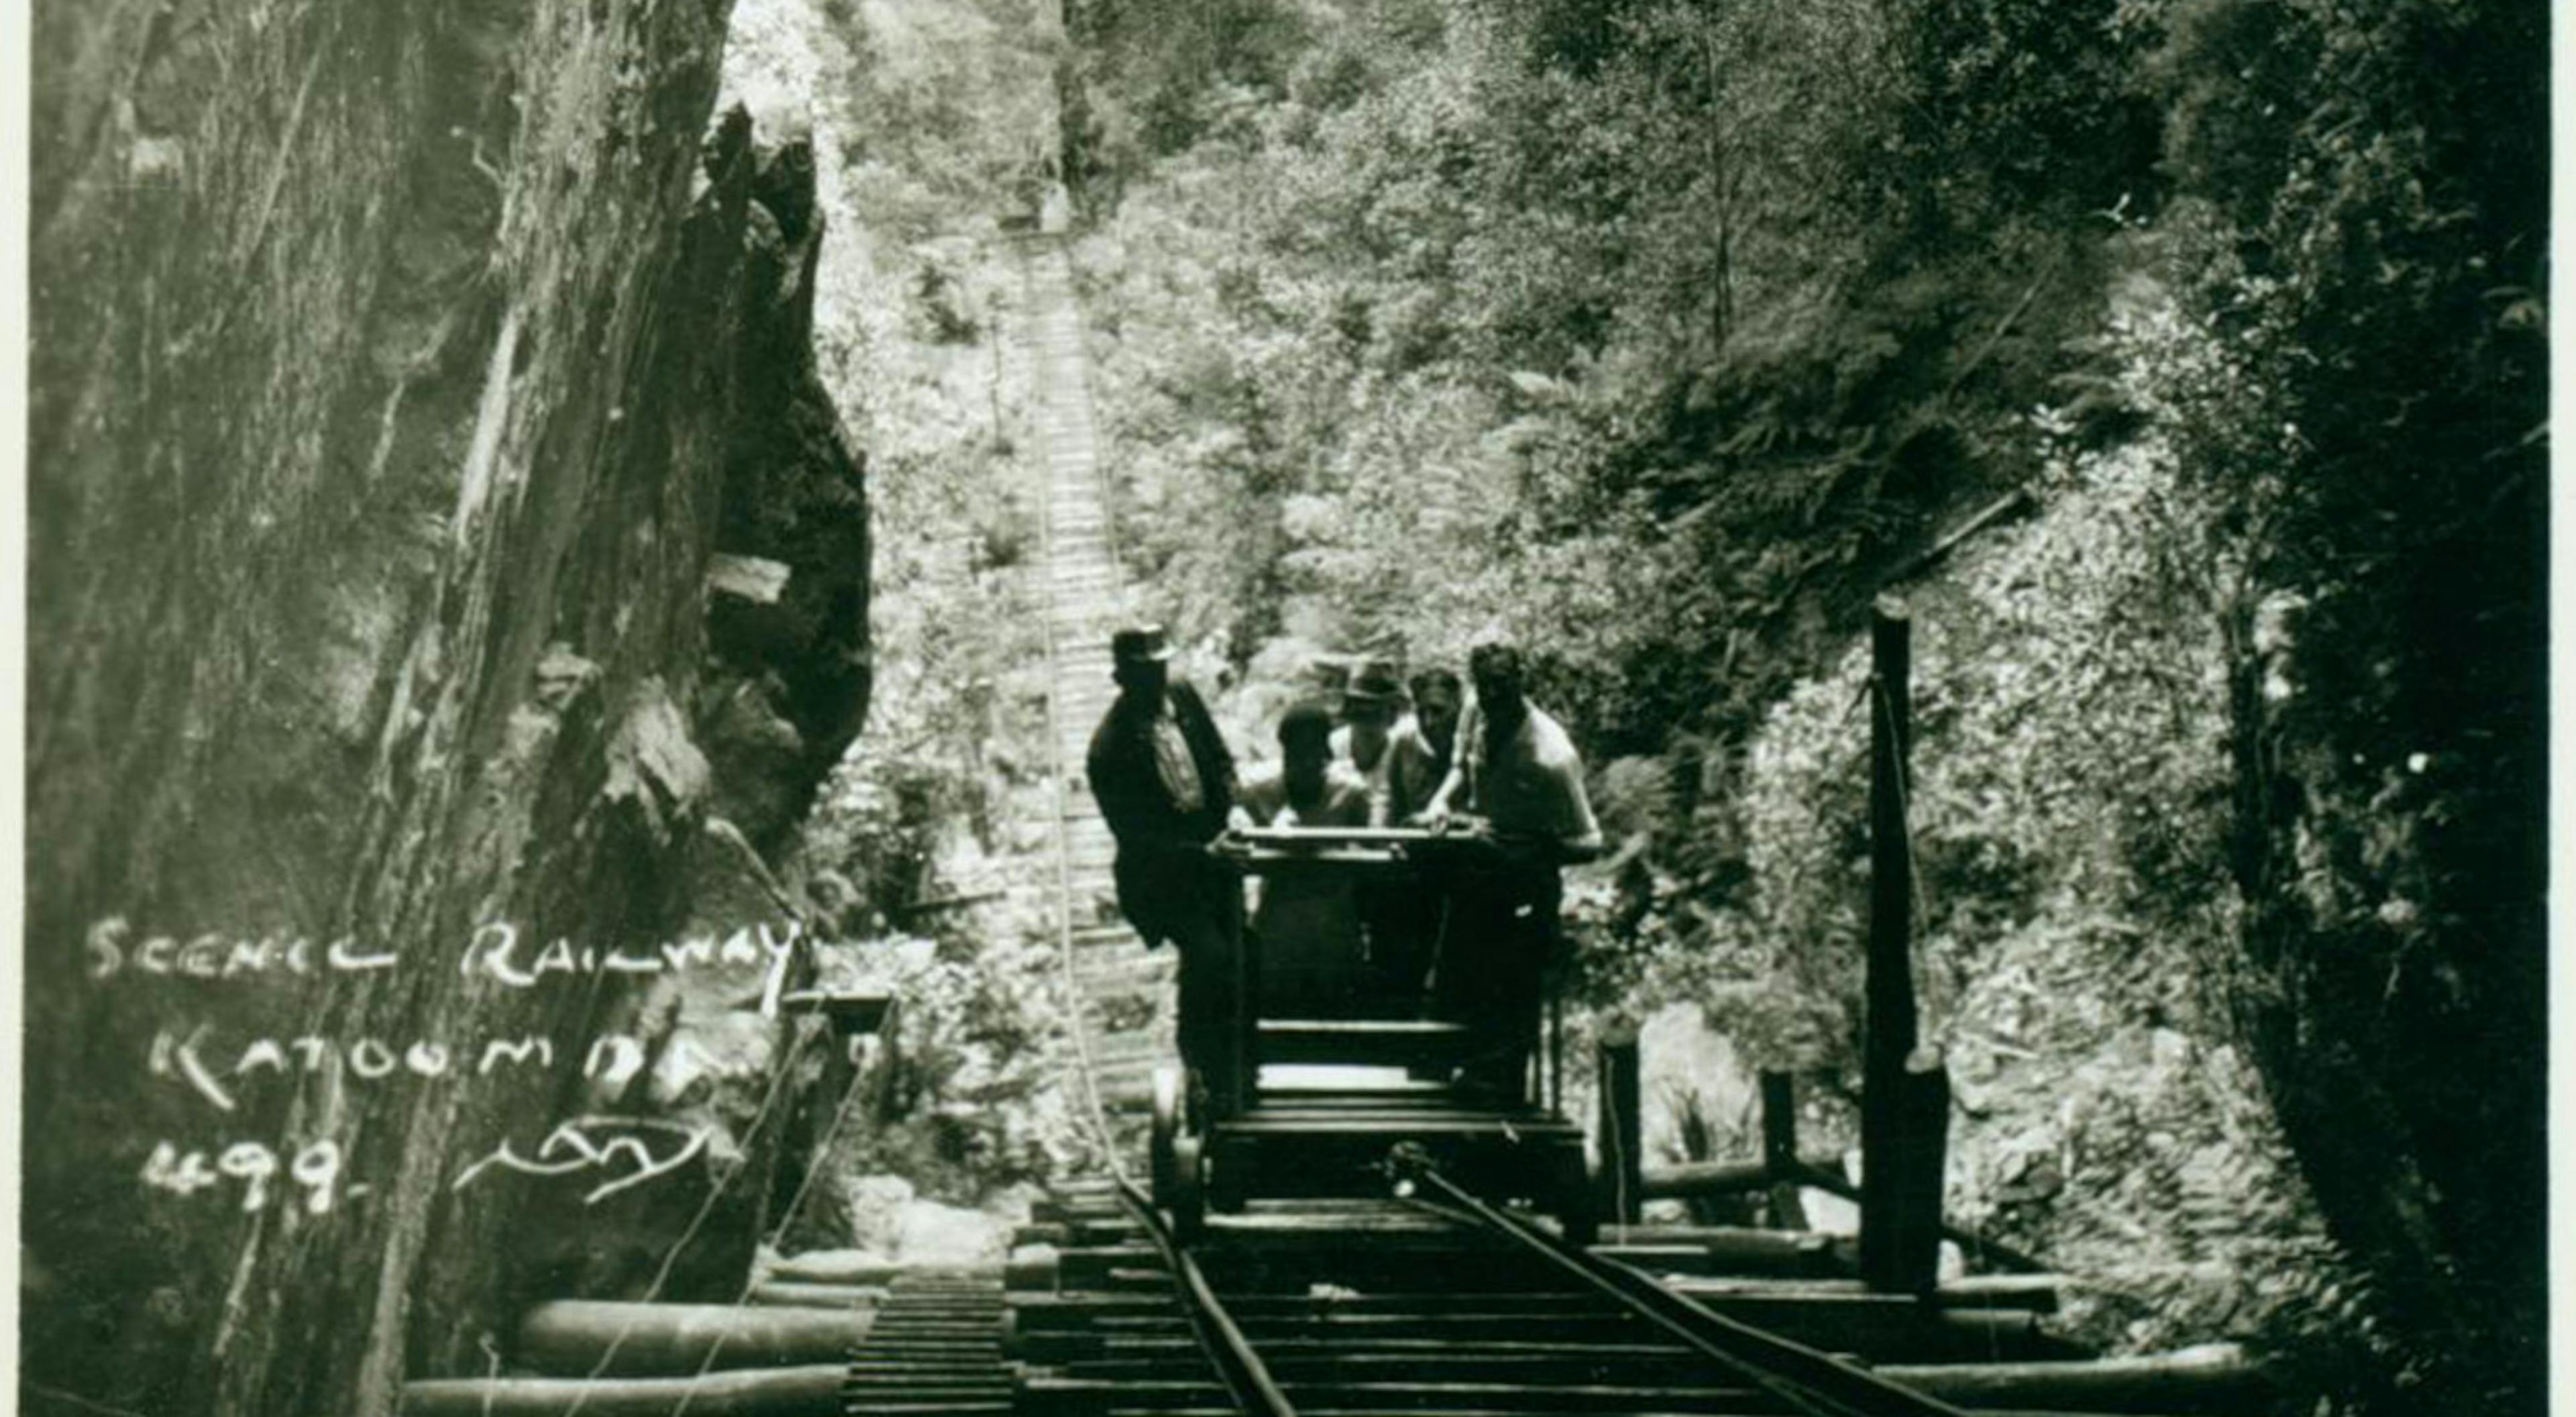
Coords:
pixel 1164 781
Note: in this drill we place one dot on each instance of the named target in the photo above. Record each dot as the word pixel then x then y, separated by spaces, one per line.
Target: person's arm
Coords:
pixel 1207 744
pixel 1116 784
pixel 1444 802
pixel 1578 832
pixel 1583 841
pixel 1256 801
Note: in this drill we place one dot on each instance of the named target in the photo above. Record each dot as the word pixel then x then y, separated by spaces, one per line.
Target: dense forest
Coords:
pixel 1664 335
pixel 587 470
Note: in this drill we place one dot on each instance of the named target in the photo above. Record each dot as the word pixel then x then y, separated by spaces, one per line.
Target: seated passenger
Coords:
pixel 1308 926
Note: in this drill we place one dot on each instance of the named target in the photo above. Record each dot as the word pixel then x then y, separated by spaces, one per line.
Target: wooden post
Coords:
pixel 1890 1255
pixel 1780 1150
pixel 1556 1053
pixel 1242 1022
pixel 1622 1126
pixel 1921 1154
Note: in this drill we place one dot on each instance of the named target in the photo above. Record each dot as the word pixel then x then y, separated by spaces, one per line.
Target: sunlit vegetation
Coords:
pixel 1662 335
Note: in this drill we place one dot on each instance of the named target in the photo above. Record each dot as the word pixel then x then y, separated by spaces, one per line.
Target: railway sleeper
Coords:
pixel 1080 1397
pixel 1446 1367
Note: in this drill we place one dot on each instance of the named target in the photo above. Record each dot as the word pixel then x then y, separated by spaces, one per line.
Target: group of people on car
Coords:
pixel 1492 763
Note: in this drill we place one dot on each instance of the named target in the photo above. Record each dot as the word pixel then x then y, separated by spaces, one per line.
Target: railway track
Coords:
pixel 1352 1308
pixel 1119 989
pixel 1415 1296
pixel 934 1349
pixel 1340 1308
pixel 1437 1304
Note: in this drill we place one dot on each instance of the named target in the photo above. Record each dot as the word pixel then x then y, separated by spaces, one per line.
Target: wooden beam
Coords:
pixel 1622 1128
pixel 2216 1377
pixel 1918 1156
pixel 2011 504
pixel 1979 1248
pixel 790 1294
pixel 598 1338
pixel 809 1391
pixel 835 1267
pixel 1780 1149
pixel 1726 1178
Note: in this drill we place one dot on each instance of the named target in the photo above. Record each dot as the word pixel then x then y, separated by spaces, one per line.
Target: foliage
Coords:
pixel 2375 257
pixel 1656 333
pixel 925 125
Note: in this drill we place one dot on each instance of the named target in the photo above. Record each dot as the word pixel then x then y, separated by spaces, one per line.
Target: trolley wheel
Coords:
pixel 1167 1131
pixel 1189 1189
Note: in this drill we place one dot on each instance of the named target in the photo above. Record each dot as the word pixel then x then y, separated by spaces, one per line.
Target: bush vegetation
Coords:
pixel 1661 334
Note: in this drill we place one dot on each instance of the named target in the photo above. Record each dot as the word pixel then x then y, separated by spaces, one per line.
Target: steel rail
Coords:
pixel 1228 1351
pixel 1060 774
pixel 1808 1378
pixel 1255 1392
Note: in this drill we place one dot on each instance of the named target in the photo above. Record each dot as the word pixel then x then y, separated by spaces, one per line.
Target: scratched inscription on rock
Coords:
pixel 218 1061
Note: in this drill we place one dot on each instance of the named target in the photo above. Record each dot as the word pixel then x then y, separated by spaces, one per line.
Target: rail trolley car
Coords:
pixel 1342 1067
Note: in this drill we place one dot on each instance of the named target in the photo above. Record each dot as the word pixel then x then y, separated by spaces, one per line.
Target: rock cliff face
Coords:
pixel 439 539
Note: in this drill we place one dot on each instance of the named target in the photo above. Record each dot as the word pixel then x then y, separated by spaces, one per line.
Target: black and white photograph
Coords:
pixel 1365 708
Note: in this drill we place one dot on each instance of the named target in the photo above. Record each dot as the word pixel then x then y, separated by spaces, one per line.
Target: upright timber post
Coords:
pixel 1622 1130
pixel 1780 1150
pixel 1898 1252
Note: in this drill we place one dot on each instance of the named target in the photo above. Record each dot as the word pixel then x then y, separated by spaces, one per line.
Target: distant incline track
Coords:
pixel 1424 1299
pixel 1123 991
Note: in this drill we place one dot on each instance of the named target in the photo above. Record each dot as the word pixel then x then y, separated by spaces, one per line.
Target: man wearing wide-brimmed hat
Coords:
pixel 1165 781
pixel 1380 743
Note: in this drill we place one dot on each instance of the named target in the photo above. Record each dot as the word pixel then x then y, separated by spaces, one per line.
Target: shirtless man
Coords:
pixel 1519 773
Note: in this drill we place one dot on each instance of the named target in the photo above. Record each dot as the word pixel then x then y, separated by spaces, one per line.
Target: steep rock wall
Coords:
pixel 436 524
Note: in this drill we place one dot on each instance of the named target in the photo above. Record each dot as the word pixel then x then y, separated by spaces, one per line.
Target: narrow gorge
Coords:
pixel 572 556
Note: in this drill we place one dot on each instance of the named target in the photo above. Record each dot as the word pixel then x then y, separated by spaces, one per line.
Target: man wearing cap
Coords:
pixel 1383 746
pixel 1380 744
pixel 1165 782
pixel 1517 771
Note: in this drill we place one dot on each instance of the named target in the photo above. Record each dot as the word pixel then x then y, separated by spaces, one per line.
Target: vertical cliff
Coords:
pixel 437 527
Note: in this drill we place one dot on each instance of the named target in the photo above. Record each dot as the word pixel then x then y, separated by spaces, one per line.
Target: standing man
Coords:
pixel 1516 770
pixel 1164 781
pixel 1386 749
pixel 1435 720
pixel 1379 742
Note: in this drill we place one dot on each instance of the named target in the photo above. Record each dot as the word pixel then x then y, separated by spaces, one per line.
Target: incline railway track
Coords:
pixel 1359 1308
pixel 1446 1305
pixel 1349 1307
pixel 1119 990
pixel 1333 1243
pixel 1438 1301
